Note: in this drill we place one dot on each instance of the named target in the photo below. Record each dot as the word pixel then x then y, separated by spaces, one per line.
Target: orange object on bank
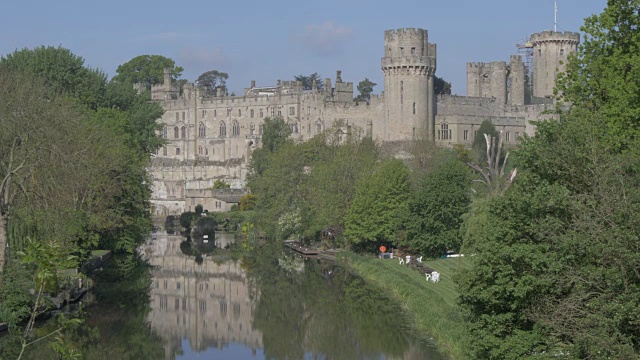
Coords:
pixel 383 249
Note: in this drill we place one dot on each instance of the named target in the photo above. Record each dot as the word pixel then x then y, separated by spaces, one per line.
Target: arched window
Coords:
pixel 200 149
pixel 236 128
pixel 223 129
pixel 239 113
pixel 252 128
pixel 202 130
pixel 164 132
pixel 318 127
pixel 184 132
pixel 176 132
pixel 445 132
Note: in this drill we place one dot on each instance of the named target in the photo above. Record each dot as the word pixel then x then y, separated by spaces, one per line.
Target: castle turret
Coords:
pixel 409 65
pixel 488 80
pixel 516 80
pixel 550 52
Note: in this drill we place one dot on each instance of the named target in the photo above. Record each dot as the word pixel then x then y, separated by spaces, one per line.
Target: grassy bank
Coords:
pixel 432 307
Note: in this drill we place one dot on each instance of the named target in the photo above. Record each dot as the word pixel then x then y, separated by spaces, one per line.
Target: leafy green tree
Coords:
pixel 441 86
pixel 380 201
pixel 247 202
pixel 308 81
pixel 219 184
pixel 274 136
pixel 365 88
pixel 434 215
pixel 609 50
pixel 147 70
pixel 479 146
pixel 212 80
pixel 62 72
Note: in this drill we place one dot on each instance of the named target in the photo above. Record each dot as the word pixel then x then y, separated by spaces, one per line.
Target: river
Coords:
pixel 277 305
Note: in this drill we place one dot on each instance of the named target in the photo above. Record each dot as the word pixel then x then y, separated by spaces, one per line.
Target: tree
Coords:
pixel 441 86
pixel 212 80
pixel 492 174
pixel 479 146
pixel 309 81
pixel 62 73
pixel 379 202
pixel 219 184
pixel 434 215
pixel 609 50
pixel 147 70
pixel 365 88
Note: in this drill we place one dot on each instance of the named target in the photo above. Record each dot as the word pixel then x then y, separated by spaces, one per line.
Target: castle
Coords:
pixel 211 138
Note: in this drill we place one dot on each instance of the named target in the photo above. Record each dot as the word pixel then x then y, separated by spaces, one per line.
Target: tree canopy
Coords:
pixel 308 81
pixel 212 80
pixel 365 88
pixel 441 86
pixel 147 70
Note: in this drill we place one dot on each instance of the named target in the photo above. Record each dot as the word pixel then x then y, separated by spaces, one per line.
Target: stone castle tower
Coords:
pixel 487 80
pixel 550 52
pixel 409 65
pixel 516 83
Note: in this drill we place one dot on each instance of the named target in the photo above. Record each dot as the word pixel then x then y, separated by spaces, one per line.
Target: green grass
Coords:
pixel 431 306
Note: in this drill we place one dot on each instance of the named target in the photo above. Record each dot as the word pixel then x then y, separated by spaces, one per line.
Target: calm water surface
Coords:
pixel 274 306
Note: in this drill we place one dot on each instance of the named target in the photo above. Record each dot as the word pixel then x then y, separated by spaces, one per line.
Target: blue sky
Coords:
pixel 270 40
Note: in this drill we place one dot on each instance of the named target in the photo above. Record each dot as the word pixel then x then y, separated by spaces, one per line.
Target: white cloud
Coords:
pixel 323 39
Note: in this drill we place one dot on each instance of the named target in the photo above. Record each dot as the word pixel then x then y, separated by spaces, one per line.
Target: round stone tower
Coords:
pixel 550 52
pixel 409 65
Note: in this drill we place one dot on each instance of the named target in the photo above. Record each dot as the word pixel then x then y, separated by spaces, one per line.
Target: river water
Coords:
pixel 276 305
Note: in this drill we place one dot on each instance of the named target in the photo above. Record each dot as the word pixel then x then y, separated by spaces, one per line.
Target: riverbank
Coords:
pixel 431 306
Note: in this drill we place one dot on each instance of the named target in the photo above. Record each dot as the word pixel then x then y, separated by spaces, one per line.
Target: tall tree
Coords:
pixel 365 88
pixel 479 146
pixel 610 50
pixel 379 203
pixel 434 216
pixel 441 86
pixel 147 70
pixel 308 81
pixel 212 80
pixel 63 73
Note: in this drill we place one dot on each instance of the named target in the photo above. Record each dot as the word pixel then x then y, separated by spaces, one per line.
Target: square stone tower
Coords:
pixel 550 52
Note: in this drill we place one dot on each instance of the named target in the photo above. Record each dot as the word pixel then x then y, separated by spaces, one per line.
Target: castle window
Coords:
pixel 308 110
pixel 413 51
pixel 204 112
pixel 261 113
pixel 176 132
pixel 517 135
pixel 466 135
pixel 561 51
pixel 260 129
pixel 184 132
pixel 200 149
pixel 422 51
pixel 228 112
pixel 223 129
pixel 177 151
pixel 539 52
pixel 164 132
pixel 236 128
pixel 318 127
pixel 183 116
pixel 308 128
pixel 445 132
pixel 292 110
pixel 177 116
pixel 414 108
pixel 251 112
pixel 507 136
pixel 401 51
pixel 164 151
pixel 401 91
pixel 202 130
pixel 239 112
pixel 279 112
pixel 215 112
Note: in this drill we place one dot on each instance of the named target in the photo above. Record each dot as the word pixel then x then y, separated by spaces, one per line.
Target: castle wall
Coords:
pixel 212 139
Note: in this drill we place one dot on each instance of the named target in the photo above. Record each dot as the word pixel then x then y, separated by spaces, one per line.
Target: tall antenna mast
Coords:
pixel 555 15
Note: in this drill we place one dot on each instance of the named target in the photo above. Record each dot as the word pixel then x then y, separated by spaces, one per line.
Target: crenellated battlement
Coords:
pixel 545 36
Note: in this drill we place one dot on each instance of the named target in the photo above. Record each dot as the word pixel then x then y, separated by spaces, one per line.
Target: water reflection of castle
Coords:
pixel 209 304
